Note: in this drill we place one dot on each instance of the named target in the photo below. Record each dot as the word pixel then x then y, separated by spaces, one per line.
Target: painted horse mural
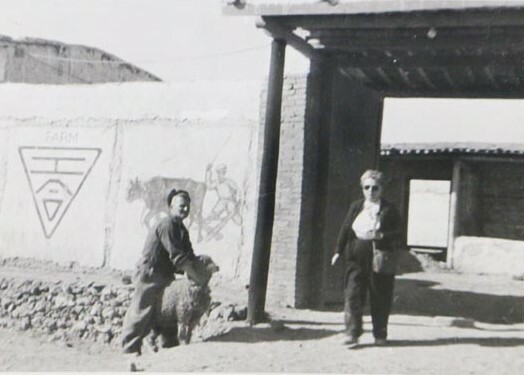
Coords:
pixel 154 192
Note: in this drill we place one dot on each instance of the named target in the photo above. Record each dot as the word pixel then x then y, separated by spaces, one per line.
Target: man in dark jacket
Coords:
pixel 167 251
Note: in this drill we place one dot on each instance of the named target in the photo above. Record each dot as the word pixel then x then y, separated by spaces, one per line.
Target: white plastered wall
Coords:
pixel 69 153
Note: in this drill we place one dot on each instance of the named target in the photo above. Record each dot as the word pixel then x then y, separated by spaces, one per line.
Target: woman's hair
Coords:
pixel 372 174
pixel 176 192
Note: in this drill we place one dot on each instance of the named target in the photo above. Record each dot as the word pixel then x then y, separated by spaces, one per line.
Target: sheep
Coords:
pixel 182 304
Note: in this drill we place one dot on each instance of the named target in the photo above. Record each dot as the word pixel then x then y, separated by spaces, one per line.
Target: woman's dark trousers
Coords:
pixel 359 280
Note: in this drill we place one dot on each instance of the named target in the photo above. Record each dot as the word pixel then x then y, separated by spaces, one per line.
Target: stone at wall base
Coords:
pixel 489 256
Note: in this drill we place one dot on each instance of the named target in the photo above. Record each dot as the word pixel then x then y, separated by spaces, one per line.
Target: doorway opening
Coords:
pixel 428 217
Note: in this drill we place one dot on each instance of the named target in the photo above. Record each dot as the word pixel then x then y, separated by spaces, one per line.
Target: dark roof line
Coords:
pixel 451 148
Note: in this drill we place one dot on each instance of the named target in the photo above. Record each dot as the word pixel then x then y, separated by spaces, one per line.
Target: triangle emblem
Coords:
pixel 51 207
pixel 55 176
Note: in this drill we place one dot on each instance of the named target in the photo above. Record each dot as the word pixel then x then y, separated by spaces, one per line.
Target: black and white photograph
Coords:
pixel 262 186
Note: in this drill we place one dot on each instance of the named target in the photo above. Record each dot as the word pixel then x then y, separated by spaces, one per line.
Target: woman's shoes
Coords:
pixel 351 342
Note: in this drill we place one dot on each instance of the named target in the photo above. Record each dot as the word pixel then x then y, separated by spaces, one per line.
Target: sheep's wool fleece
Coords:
pixel 183 300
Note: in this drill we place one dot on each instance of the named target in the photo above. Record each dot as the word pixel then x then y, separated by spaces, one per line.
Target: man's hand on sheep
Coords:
pixel 192 274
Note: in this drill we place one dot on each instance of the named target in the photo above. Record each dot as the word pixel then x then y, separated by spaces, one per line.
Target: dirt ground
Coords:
pixel 442 323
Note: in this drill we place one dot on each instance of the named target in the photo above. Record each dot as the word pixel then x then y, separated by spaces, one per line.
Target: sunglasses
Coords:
pixel 372 187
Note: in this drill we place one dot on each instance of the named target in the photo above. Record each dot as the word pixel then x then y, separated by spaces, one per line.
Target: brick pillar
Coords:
pixel 283 262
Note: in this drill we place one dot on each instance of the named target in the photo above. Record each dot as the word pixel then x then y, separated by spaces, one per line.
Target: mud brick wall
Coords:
pixel 40 61
pixel 399 172
pixel 499 185
pixel 289 190
pixel 502 197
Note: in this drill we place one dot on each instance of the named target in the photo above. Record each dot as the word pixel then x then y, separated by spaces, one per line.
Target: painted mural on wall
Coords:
pixel 227 205
pixel 79 178
pixel 54 201
pixel 213 162
pixel 153 193
pixel 55 176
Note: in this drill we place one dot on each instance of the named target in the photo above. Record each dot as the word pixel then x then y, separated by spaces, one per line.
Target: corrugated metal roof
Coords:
pixel 451 148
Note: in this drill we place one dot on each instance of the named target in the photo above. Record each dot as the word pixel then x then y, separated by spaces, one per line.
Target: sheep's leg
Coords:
pixel 169 336
pixel 151 340
pixel 183 333
pixel 190 327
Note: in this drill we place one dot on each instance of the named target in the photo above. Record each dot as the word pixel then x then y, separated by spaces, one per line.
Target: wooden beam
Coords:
pixel 506 158
pixel 427 32
pixel 439 80
pixel 448 79
pixel 454 214
pixel 425 78
pixel 267 187
pixel 513 42
pixel 489 73
pixel 469 93
pixel 404 75
pixel 443 18
pixel 279 32
pixel 428 61
pixel 470 75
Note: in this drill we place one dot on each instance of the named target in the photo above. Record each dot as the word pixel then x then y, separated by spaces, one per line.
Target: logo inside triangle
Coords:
pixel 51 207
pixel 55 176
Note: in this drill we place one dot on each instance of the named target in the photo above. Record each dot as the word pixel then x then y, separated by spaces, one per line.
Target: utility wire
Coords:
pixel 210 56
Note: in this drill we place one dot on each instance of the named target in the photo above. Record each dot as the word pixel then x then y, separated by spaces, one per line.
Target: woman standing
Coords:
pixel 368 238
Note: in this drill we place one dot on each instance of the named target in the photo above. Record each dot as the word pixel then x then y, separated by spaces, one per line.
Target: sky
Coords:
pixel 190 40
pixel 453 120
pixel 177 40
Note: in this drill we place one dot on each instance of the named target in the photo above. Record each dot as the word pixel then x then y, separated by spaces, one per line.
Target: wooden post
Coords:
pixel 266 192
pixel 470 220
pixel 454 212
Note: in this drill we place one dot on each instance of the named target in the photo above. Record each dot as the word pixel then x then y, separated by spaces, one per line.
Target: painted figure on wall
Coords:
pixel 151 192
pixel 227 206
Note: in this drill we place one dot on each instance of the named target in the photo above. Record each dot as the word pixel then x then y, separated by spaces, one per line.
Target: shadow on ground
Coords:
pixel 481 341
pixel 268 334
pixel 408 263
pixel 417 297
pixel 420 297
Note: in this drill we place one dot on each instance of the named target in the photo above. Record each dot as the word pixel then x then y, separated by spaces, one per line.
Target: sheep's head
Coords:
pixel 203 269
